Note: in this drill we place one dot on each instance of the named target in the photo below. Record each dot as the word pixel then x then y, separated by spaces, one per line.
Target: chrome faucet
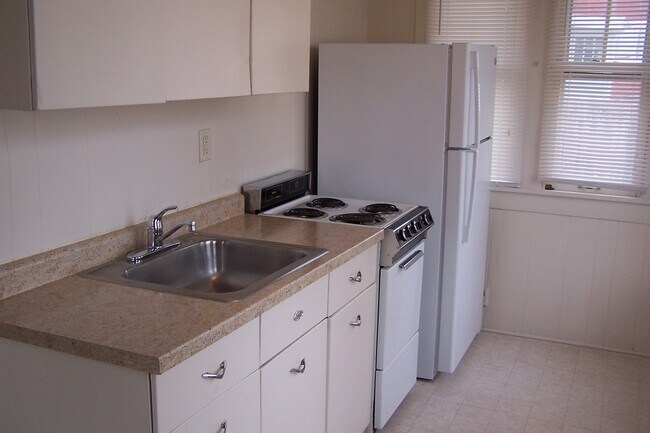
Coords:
pixel 156 236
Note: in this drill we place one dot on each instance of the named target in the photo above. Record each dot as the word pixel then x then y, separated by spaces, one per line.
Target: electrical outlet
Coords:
pixel 205 147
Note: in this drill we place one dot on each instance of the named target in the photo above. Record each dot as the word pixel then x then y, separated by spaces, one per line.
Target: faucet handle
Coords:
pixel 155 221
pixel 162 212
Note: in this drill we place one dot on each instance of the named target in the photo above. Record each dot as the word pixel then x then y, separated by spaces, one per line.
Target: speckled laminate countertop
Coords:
pixel 151 331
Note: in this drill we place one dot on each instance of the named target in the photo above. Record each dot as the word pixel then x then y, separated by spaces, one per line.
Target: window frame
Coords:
pixel 594 70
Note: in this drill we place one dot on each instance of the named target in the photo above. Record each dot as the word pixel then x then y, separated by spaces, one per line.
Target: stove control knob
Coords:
pixel 411 229
pixel 427 218
pixel 418 225
pixel 406 233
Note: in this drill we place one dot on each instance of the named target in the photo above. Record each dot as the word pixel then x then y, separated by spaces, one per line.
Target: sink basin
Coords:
pixel 213 267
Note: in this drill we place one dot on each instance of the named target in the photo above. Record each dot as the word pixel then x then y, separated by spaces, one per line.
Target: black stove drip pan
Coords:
pixel 327 203
pixel 365 219
pixel 305 212
pixel 380 208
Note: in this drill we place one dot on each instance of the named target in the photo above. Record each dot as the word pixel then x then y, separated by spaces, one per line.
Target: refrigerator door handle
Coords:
pixel 477 98
pixel 467 211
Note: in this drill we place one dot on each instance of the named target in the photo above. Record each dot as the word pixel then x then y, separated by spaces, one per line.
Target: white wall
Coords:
pixel 66 175
pixel 397 21
pixel 70 174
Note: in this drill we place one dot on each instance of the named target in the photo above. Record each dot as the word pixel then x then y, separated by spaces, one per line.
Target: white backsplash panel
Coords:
pixel 71 174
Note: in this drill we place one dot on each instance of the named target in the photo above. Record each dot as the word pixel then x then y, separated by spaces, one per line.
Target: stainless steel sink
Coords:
pixel 214 267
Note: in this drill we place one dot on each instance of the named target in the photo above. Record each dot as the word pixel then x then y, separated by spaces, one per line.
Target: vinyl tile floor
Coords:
pixel 507 384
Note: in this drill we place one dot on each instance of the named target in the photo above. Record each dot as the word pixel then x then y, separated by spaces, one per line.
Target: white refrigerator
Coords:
pixel 412 123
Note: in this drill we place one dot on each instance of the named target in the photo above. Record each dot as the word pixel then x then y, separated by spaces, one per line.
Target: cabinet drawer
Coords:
pixel 237 411
pixel 290 319
pixel 182 391
pixel 294 385
pixel 350 368
pixel 351 278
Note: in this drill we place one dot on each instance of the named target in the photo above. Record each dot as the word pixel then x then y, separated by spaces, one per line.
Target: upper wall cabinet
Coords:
pixel 92 53
pixel 89 53
pixel 280 36
pixel 206 48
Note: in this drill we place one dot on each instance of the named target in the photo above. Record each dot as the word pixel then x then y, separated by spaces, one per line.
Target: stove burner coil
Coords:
pixel 327 203
pixel 304 212
pixel 365 219
pixel 380 208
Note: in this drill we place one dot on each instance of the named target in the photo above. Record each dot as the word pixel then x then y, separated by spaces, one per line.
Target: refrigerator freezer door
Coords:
pixel 464 263
pixel 473 72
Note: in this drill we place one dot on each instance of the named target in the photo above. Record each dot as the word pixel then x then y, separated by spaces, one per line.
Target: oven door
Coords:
pixel 400 287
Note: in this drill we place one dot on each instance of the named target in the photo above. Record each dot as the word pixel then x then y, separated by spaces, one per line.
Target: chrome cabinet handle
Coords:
pixel 298 315
pixel 358 278
pixel 300 369
pixel 356 322
pixel 221 372
pixel 223 428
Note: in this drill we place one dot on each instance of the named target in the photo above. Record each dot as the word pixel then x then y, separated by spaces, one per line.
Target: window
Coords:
pixel 503 23
pixel 596 122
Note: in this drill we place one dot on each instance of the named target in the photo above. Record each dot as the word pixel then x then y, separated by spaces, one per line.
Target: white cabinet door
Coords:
pixel 350 364
pixel 280 36
pixel 206 48
pixel 182 391
pixel 237 411
pixel 90 53
pixel 293 386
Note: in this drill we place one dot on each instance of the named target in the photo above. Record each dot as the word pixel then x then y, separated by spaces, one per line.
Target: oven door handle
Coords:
pixel 411 260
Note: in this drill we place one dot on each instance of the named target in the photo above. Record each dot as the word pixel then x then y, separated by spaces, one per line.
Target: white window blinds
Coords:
pixel 502 23
pixel 596 99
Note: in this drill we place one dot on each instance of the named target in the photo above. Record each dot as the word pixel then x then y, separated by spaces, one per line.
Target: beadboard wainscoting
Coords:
pixel 570 269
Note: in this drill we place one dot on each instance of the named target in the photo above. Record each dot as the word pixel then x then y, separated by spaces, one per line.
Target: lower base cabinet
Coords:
pixel 350 364
pixel 321 382
pixel 294 386
pixel 237 411
pixel 47 391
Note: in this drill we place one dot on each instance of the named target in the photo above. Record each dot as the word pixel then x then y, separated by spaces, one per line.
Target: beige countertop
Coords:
pixel 153 331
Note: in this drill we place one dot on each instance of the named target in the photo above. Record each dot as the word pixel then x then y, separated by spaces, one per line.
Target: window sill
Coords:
pixel 575 204
pixel 575 195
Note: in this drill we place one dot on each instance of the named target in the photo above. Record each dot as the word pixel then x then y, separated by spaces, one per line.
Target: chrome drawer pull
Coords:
pixel 358 278
pixel 300 369
pixel 411 261
pixel 221 372
pixel 356 322
pixel 224 427
pixel 298 315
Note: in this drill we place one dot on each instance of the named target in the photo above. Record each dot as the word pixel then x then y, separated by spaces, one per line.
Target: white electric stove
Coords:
pixel 400 278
